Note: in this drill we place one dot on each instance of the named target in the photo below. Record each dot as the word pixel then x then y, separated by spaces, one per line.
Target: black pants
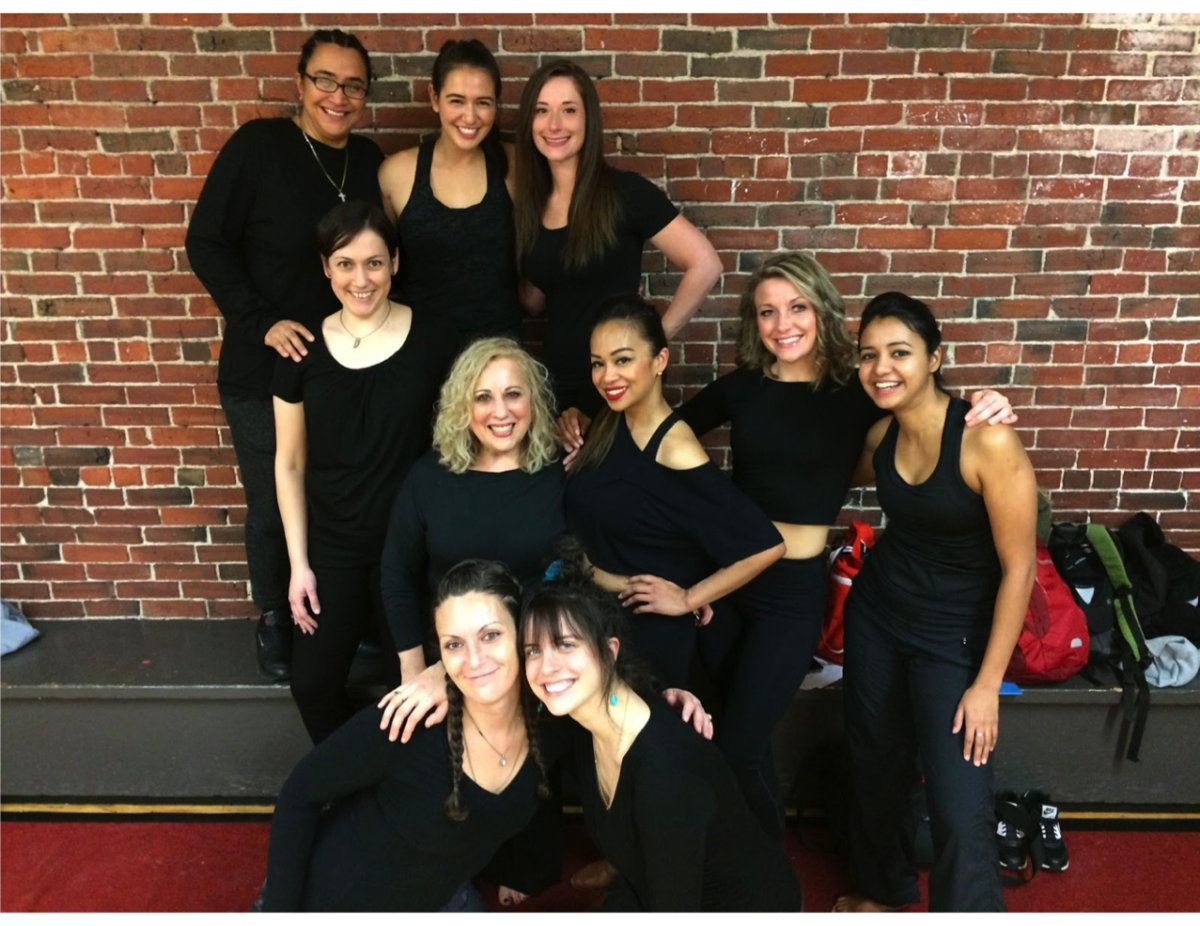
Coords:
pixel 758 654
pixel 252 427
pixel 667 643
pixel 901 693
pixel 351 606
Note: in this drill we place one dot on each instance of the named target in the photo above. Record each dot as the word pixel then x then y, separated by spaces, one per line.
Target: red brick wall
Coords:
pixel 1033 177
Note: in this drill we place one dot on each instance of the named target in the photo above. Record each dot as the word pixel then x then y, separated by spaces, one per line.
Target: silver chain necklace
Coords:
pixel 345 167
pixel 503 757
pixel 359 339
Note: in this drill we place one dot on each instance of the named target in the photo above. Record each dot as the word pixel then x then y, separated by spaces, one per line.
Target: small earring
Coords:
pixel 612 699
pixel 540 706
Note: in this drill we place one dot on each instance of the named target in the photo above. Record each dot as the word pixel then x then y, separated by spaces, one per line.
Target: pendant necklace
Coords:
pixel 345 167
pixel 616 753
pixel 358 340
pixel 503 756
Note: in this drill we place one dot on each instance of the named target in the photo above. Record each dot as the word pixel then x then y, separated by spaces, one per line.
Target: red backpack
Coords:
pixel 1054 641
pixel 844 564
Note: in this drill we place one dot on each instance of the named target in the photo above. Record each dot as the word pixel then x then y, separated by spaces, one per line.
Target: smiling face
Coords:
pixel 478 640
pixel 361 272
pixel 559 122
pixel 500 411
pixel 895 367
pixel 329 117
pixel 466 106
pixel 787 324
pixel 564 672
pixel 623 368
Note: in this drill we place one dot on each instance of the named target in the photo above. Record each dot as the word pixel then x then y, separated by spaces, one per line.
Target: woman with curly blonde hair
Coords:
pixel 490 488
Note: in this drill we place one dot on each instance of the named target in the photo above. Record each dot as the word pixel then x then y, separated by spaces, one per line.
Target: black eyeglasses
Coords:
pixel 354 91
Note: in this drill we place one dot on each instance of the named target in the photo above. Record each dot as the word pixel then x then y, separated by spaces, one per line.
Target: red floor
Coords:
pixel 168 867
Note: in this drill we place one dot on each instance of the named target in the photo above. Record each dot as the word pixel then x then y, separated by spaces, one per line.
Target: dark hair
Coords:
pixel 471 53
pixel 634 311
pixel 915 315
pixel 594 211
pixel 485 578
pixel 345 221
pixel 333 37
pixel 573 603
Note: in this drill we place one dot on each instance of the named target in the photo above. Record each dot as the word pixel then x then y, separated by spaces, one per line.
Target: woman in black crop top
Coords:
pixel 931 621
pixel 581 227
pixel 657 799
pixel 350 419
pixel 450 199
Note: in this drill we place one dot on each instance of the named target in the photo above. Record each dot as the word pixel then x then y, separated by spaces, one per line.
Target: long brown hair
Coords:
pixel 594 211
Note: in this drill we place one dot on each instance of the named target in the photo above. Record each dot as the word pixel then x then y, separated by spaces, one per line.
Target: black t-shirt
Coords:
pixel 679 830
pixel 573 296
pixel 794 447
pixel 636 516
pixel 386 843
pixel 365 428
pixel 252 238
pixel 440 518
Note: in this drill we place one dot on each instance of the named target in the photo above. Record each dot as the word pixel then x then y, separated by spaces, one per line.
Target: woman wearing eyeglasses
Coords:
pixel 252 243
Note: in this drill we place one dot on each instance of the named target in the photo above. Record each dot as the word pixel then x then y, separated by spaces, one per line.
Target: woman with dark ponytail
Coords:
pixel 658 800
pixel 450 200
pixel 411 823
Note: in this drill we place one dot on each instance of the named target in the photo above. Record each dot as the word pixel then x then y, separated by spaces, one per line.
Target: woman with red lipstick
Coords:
pixel 581 226
pixel 350 419
pixel 251 243
pixel 931 621
pixel 664 528
pixel 450 199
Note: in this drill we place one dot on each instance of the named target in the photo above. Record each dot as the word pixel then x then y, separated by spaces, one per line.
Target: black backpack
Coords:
pixel 1165 579
pixel 1090 560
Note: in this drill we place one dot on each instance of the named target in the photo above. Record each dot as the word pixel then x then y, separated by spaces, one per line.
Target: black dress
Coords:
pixel 460 263
pixel 573 297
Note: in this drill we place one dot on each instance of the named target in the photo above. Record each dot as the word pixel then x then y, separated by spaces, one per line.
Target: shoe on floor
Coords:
pixel 1011 839
pixel 273 645
pixel 1054 848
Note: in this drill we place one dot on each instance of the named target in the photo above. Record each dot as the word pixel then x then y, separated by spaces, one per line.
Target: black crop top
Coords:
pixel 636 516
pixel 794 447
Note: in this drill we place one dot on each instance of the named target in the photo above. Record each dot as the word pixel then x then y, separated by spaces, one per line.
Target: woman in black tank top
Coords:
pixel 450 200
pixel 931 621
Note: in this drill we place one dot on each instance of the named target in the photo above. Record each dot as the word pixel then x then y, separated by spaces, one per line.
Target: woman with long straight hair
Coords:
pixel 581 226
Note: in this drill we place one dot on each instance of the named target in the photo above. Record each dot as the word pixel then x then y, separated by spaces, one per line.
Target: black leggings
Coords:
pixel 904 677
pixel 667 643
pixel 351 606
pixel 758 656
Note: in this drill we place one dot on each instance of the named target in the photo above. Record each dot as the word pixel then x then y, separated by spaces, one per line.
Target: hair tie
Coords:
pixel 553 571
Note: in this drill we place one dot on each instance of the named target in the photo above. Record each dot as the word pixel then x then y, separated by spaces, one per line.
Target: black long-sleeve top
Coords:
pixel 364 428
pixel 252 241
pixel 679 831
pixel 386 843
pixel 441 518
pixel 794 447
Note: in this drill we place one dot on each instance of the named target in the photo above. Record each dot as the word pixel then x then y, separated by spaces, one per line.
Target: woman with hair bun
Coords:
pixel 450 199
pixel 250 242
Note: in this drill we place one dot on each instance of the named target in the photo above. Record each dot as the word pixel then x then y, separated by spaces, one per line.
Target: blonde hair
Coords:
pixel 834 354
pixel 456 445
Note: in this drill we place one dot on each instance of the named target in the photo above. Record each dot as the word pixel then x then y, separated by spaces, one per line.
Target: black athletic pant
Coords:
pixel 667 643
pixel 252 428
pixel 351 606
pixel 904 678
pixel 758 657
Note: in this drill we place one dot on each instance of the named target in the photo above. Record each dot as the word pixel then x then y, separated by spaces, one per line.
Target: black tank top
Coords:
pixel 460 263
pixel 937 554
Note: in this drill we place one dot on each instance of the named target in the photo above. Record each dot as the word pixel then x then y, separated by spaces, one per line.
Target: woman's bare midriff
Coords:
pixel 803 541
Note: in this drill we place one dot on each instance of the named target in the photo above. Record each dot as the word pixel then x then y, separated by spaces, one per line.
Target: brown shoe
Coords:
pixel 598 876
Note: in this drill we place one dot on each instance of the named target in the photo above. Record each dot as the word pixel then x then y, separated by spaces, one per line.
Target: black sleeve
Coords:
pixel 353 758
pixel 645 208
pixel 718 515
pixel 287 382
pixel 709 408
pixel 673 814
pixel 404 565
pixel 214 236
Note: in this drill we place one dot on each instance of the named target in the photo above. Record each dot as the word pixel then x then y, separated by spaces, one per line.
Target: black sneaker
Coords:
pixel 274 645
pixel 1054 849
pixel 1011 842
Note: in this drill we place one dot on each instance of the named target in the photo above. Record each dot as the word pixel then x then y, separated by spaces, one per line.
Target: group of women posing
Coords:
pixel 373 368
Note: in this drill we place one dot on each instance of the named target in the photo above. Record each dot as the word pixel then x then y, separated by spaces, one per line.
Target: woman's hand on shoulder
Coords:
pixel 404 707
pixel 681 449
pixel 572 426
pixel 690 709
pixel 990 406
pixel 288 337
